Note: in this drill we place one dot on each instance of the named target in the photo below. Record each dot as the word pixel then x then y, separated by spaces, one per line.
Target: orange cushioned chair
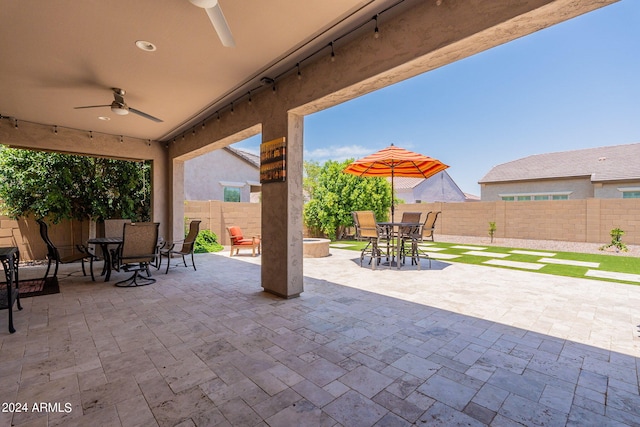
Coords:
pixel 238 241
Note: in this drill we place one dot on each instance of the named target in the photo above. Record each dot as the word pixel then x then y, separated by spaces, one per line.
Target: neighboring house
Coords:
pixel 438 188
pixel 602 172
pixel 226 174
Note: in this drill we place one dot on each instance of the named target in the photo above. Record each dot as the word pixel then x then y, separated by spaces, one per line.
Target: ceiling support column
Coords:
pixel 282 220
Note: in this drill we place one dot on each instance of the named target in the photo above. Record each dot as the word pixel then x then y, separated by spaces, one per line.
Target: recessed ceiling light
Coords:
pixel 104 118
pixel 146 46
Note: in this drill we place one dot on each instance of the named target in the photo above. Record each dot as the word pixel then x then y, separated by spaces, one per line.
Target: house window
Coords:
pixel 231 194
pixel 525 197
pixel 630 192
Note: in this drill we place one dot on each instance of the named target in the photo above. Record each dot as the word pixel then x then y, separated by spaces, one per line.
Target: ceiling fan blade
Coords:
pixel 92 106
pixel 145 115
pixel 220 24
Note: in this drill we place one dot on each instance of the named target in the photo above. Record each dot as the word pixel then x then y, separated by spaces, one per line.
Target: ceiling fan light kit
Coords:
pixel 119 107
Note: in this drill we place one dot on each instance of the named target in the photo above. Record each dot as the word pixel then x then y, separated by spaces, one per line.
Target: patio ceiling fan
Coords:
pixel 217 19
pixel 118 106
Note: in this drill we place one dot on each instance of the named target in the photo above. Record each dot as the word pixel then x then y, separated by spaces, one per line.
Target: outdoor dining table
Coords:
pixel 394 231
pixel 104 243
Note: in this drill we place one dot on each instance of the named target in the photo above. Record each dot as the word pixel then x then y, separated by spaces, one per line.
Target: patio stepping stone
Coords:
pixel 534 253
pixel 428 248
pixel 613 275
pixel 515 264
pixel 438 255
pixel 569 262
pixel 472 248
pixel 487 254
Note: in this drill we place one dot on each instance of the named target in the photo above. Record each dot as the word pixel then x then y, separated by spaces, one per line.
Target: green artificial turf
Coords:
pixel 609 263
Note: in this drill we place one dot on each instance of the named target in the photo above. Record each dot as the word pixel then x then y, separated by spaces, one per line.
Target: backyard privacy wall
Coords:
pixel 588 220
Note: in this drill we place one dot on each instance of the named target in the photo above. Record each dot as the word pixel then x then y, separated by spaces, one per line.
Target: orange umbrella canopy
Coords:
pixel 395 161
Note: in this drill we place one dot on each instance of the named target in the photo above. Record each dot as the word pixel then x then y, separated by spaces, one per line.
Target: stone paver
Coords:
pixel 613 275
pixel 515 264
pixel 534 253
pixel 487 254
pixel 569 262
pixel 451 345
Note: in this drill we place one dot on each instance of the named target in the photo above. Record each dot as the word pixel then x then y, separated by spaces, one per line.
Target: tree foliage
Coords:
pixel 336 194
pixel 63 186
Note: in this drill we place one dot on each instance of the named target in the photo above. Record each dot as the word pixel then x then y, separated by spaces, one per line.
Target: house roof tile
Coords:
pixel 613 163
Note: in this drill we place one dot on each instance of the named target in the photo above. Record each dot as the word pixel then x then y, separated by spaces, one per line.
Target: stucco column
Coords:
pixel 177 198
pixel 282 213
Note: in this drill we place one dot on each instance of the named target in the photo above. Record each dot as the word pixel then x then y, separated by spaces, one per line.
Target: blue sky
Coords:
pixel 574 85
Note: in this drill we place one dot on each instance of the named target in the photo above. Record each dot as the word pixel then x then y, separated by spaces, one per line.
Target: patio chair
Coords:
pixel 411 239
pixel 114 228
pixel 429 226
pixel 168 250
pixel 53 254
pixel 238 241
pixel 137 252
pixel 374 233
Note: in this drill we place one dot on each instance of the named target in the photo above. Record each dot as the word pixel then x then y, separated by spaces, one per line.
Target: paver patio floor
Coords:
pixel 452 345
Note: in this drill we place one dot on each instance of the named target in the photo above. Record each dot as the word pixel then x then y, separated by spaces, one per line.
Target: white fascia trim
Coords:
pixel 232 184
pixel 544 193
pixel 254 183
pixel 626 189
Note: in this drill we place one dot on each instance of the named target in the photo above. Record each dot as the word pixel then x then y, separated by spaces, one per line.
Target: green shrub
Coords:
pixel 207 241
pixel 616 241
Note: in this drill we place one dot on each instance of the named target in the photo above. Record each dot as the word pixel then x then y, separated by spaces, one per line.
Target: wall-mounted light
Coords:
pixel 91 135
pixel 121 139
pixel 15 124
pixel 299 73
pixel 249 93
pixel 333 54
pixel 232 110
pixel 55 130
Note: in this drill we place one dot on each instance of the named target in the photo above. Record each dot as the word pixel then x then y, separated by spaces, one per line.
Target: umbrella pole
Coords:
pixel 393 204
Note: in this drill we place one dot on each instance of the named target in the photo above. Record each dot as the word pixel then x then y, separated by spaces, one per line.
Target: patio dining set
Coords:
pixel 126 246
pixel 394 241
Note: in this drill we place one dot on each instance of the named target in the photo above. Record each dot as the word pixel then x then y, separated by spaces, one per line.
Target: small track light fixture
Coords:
pixel 299 73
pixel 333 54
pixel 376 32
pixel 249 93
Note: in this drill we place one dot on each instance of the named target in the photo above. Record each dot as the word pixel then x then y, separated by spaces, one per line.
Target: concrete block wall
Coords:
pixel 25 235
pixel 588 220
pixel 217 216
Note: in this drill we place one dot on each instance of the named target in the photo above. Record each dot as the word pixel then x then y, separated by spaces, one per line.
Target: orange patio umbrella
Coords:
pixel 395 161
